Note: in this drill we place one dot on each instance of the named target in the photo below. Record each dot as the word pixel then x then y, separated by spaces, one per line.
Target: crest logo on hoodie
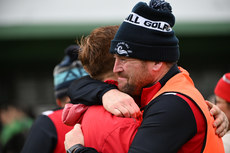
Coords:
pixel 123 49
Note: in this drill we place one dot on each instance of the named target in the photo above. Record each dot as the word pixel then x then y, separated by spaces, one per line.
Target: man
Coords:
pixel 48 131
pixel 100 127
pixel 222 99
pixel 175 113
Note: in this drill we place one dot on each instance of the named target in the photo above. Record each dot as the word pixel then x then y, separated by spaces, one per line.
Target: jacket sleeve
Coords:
pixel 42 136
pixel 73 113
pixel 88 91
pixel 86 150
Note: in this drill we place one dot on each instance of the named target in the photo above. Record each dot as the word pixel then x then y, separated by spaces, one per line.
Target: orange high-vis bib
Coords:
pixel 183 84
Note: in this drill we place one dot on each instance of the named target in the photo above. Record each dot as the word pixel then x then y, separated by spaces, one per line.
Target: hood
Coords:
pixel 73 113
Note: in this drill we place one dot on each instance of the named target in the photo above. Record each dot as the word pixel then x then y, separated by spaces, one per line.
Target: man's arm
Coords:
pixel 42 136
pixel 89 91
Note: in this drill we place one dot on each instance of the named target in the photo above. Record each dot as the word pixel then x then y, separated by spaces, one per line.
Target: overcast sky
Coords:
pixel 19 12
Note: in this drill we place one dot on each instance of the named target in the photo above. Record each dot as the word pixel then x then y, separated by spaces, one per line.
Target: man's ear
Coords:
pixel 157 66
pixel 58 102
pixel 62 101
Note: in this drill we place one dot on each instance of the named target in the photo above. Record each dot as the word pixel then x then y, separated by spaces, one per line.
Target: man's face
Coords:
pixel 133 74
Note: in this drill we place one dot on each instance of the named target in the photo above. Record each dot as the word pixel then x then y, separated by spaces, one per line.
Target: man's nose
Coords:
pixel 117 66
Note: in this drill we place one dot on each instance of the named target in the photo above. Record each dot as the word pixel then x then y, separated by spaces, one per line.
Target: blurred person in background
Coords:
pixel 15 122
pixel 222 100
pixel 48 131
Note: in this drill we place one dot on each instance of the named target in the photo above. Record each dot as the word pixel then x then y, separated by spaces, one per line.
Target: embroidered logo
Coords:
pixel 123 49
pixel 138 20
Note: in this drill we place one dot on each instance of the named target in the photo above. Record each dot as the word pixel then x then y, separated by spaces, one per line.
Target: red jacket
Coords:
pixel 105 132
pixel 61 130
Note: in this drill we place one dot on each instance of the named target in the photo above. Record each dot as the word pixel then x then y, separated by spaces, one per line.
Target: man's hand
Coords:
pixel 120 104
pixel 75 136
pixel 221 120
